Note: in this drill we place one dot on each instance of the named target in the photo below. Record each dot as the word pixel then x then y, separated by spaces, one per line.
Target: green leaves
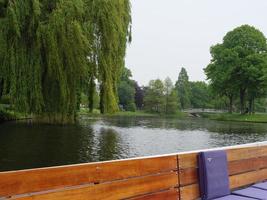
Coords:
pixel 238 65
pixel 50 48
pixel 183 89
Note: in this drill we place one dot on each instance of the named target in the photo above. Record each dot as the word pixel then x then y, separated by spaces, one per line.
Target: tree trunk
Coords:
pixel 250 105
pixel 1 87
pixel 231 104
pixel 253 106
pixel 102 104
pixel 91 94
pixel 242 100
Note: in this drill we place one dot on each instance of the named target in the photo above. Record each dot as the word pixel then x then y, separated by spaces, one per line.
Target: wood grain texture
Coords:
pixel 248 178
pixel 189 192
pixel 190 175
pixel 112 190
pixel 166 177
pixel 246 166
pixel 187 160
pixel 246 153
pixel 26 181
pixel 242 166
pixel 190 160
pixel 172 194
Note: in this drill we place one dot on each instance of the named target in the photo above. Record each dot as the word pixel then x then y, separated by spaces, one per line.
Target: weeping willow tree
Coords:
pixel 49 49
pixel 111 30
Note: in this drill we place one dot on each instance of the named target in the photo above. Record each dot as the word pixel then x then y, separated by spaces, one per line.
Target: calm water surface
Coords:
pixel 24 145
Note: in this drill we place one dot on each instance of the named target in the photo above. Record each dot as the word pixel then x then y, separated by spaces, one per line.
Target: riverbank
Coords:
pixel 10 116
pixel 96 113
pixel 256 118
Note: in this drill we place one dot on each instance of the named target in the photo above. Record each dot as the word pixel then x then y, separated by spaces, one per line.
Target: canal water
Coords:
pixel 25 145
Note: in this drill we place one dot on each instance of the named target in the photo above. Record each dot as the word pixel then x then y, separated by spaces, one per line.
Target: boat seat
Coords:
pixel 252 192
pixel 213 174
pixel 234 197
pixel 214 179
pixel 262 186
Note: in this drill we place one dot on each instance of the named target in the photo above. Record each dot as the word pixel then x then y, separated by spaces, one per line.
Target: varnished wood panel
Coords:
pixel 190 160
pixel 112 190
pixel 187 160
pixel 20 182
pixel 189 192
pixel 190 175
pixel 246 166
pixel 242 166
pixel 172 194
pixel 248 178
pixel 246 153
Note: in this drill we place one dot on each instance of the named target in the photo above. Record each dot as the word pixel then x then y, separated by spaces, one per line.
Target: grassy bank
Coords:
pixel 10 115
pixel 7 114
pixel 96 113
pixel 257 118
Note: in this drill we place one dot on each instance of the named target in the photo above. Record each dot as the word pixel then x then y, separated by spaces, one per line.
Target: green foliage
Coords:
pixel 139 96
pixel 126 91
pixel 239 65
pixel 183 89
pixel 5 100
pixel 260 105
pixel 161 97
pixel 200 95
pixel 256 118
pixel 171 103
pixel 154 96
pixel 7 115
pixel 111 31
pixel 48 49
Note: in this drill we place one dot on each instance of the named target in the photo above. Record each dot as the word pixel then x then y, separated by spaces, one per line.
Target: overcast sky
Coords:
pixel 170 34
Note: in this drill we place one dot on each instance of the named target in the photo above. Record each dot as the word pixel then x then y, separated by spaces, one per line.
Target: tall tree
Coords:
pixel 219 73
pixel 126 91
pixel 139 96
pixel 171 102
pixel 200 95
pixel 49 48
pixel 239 64
pixel 154 96
pixel 183 89
pixel 112 32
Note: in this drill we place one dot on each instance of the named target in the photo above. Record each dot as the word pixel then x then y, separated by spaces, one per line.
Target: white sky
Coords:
pixel 170 34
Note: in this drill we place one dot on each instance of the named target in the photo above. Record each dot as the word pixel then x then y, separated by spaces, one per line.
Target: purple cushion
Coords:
pixel 261 186
pixel 252 192
pixel 213 174
pixel 234 197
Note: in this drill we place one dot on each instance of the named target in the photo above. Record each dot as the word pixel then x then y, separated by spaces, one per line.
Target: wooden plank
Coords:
pixel 172 194
pixel 26 181
pixel 187 160
pixel 189 192
pixel 190 160
pixel 263 162
pixel 112 190
pixel 248 178
pixel 246 153
pixel 242 166
pixel 188 176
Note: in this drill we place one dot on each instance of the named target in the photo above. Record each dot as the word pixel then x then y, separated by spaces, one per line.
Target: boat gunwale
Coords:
pixel 255 144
